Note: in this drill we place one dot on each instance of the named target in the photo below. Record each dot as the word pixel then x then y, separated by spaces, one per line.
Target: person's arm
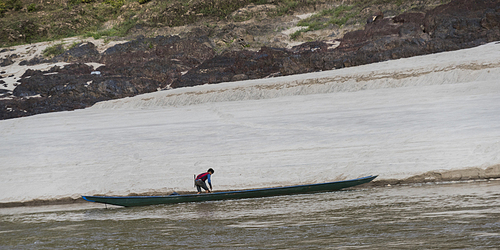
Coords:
pixel 209 180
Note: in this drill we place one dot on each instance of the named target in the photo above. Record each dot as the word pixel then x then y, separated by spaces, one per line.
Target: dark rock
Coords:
pixel 147 64
pixel 378 16
pixel 411 17
pixel 81 53
pixel 316 46
pixel 460 21
pixel 140 66
pixel 223 68
pixel 75 69
pixel 70 88
pixel 491 19
pixel 34 61
pixel 162 58
pixel 239 77
pixel 6 50
pixel 8 60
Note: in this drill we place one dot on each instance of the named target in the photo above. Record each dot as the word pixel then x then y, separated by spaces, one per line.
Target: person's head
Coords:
pixel 211 171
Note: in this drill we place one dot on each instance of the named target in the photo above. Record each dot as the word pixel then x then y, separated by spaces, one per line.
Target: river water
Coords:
pixel 444 216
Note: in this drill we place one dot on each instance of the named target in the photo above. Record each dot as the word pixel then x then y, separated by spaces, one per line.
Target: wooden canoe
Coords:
pixel 130 201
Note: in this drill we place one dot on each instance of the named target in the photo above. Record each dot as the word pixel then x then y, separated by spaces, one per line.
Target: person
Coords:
pixel 199 181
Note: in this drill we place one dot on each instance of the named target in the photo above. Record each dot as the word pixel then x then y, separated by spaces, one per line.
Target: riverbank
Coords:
pixel 456 177
pixel 428 216
pixel 184 57
pixel 415 119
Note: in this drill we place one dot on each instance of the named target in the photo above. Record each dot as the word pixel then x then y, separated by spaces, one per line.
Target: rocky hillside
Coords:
pixel 231 24
pixel 146 46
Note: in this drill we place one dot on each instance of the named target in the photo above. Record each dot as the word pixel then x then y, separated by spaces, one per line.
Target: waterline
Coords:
pixel 461 215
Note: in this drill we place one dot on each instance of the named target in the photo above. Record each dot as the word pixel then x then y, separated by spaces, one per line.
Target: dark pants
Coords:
pixel 200 184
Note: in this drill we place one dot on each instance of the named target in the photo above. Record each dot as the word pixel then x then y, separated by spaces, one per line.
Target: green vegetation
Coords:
pixel 3 8
pixel 115 3
pixel 287 6
pixel 344 14
pixel 118 31
pixel 29 21
pixel 6 5
pixel 32 7
pixel 54 50
pixel 335 16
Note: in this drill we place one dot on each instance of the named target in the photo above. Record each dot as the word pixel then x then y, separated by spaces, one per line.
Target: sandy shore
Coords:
pixel 427 118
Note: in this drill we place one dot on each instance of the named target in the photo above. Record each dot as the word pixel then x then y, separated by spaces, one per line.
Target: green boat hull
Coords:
pixel 130 201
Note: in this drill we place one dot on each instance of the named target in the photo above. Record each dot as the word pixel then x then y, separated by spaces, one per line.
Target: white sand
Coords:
pixel 394 119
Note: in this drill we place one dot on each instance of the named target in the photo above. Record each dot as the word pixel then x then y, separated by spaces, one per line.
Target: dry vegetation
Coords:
pixel 29 21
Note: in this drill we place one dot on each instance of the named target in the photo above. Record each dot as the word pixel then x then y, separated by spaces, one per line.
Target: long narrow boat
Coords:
pixel 130 201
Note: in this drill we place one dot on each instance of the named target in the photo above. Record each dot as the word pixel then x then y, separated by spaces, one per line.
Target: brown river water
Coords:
pixel 423 216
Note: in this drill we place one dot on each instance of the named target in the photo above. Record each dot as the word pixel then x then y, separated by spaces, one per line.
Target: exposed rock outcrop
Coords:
pixel 457 25
pixel 149 64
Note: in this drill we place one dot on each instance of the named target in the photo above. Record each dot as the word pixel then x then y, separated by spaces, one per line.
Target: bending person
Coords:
pixel 199 182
